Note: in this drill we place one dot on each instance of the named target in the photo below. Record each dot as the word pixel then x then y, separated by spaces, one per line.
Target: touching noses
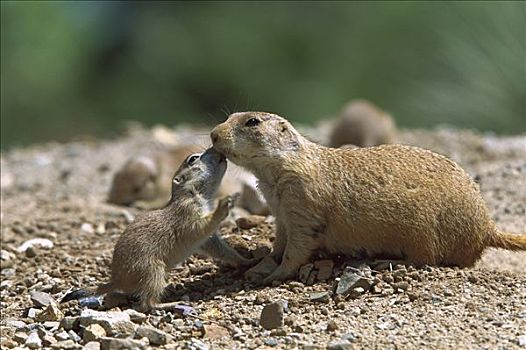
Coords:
pixel 214 135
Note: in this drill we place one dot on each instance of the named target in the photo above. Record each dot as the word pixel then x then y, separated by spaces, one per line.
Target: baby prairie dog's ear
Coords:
pixel 283 127
pixel 177 180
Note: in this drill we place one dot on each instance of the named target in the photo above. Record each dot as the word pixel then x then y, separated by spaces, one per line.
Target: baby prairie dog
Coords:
pixel 390 200
pixel 363 124
pixel 160 239
pixel 147 178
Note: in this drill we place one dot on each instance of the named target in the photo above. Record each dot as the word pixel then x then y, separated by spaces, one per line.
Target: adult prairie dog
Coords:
pixel 162 238
pixel 362 124
pixel 147 178
pixel 390 200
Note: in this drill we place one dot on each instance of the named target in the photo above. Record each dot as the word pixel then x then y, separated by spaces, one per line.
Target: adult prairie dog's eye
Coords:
pixel 191 160
pixel 252 122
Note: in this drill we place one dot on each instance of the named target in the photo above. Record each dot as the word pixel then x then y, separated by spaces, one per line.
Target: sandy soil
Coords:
pixel 57 191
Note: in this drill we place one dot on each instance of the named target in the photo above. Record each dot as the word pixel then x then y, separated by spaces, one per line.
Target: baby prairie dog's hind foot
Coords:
pixel 171 306
pixel 217 248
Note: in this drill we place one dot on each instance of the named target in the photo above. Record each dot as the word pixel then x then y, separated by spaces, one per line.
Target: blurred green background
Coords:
pixel 82 68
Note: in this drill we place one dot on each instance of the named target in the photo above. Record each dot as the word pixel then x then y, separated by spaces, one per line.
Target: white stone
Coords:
pixel 155 336
pixel 5 255
pixel 92 345
pixel 87 227
pixel 35 242
pixel 33 341
pixel 113 322
pixel 136 316
pixel 93 332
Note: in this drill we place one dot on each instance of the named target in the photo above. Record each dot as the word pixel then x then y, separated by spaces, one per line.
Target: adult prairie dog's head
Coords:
pixel 246 138
pixel 200 173
pixel 137 180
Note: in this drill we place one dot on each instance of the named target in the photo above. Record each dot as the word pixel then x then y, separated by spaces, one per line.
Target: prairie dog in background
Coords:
pixel 362 124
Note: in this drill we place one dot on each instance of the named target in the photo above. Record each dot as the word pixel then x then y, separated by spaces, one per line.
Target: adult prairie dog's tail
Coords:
pixel 88 292
pixel 508 241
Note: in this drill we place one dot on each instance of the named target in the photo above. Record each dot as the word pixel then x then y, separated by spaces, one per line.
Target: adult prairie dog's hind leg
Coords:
pixel 280 241
pixel 300 245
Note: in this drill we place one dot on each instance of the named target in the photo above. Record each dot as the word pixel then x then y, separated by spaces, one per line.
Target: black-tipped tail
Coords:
pixel 77 294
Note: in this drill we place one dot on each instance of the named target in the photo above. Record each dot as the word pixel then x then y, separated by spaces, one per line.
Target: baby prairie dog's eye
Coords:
pixel 252 122
pixel 191 160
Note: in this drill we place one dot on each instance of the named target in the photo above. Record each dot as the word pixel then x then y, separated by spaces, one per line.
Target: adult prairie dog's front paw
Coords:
pixel 224 205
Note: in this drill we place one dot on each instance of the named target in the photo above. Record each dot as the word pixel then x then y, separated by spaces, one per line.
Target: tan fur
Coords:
pixel 390 200
pixel 363 124
pixel 147 178
pixel 160 239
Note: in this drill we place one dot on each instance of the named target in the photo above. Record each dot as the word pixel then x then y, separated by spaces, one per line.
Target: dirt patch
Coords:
pixel 57 192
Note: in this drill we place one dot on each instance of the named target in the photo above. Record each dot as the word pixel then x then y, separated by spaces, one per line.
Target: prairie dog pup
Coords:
pixel 160 239
pixel 363 124
pixel 393 200
pixel 147 178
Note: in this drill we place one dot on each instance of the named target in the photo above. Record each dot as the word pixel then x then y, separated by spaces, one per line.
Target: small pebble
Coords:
pixel 272 316
pixel 339 345
pixel 41 299
pixel 35 242
pixel 93 332
pixel 324 268
pixel 320 297
pixel 33 341
pixel 154 335
pixel 271 341
pixel 332 326
pixel 87 227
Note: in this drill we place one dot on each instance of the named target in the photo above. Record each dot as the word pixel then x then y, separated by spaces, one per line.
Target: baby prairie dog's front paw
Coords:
pixel 224 205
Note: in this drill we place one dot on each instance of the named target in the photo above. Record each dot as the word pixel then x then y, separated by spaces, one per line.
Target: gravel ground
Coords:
pixel 56 192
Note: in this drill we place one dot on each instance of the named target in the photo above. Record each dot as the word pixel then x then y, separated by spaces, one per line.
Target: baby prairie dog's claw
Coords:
pixel 224 205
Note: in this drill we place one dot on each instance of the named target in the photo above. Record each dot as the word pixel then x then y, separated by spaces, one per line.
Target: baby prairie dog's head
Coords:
pixel 200 173
pixel 246 138
pixel 137 180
